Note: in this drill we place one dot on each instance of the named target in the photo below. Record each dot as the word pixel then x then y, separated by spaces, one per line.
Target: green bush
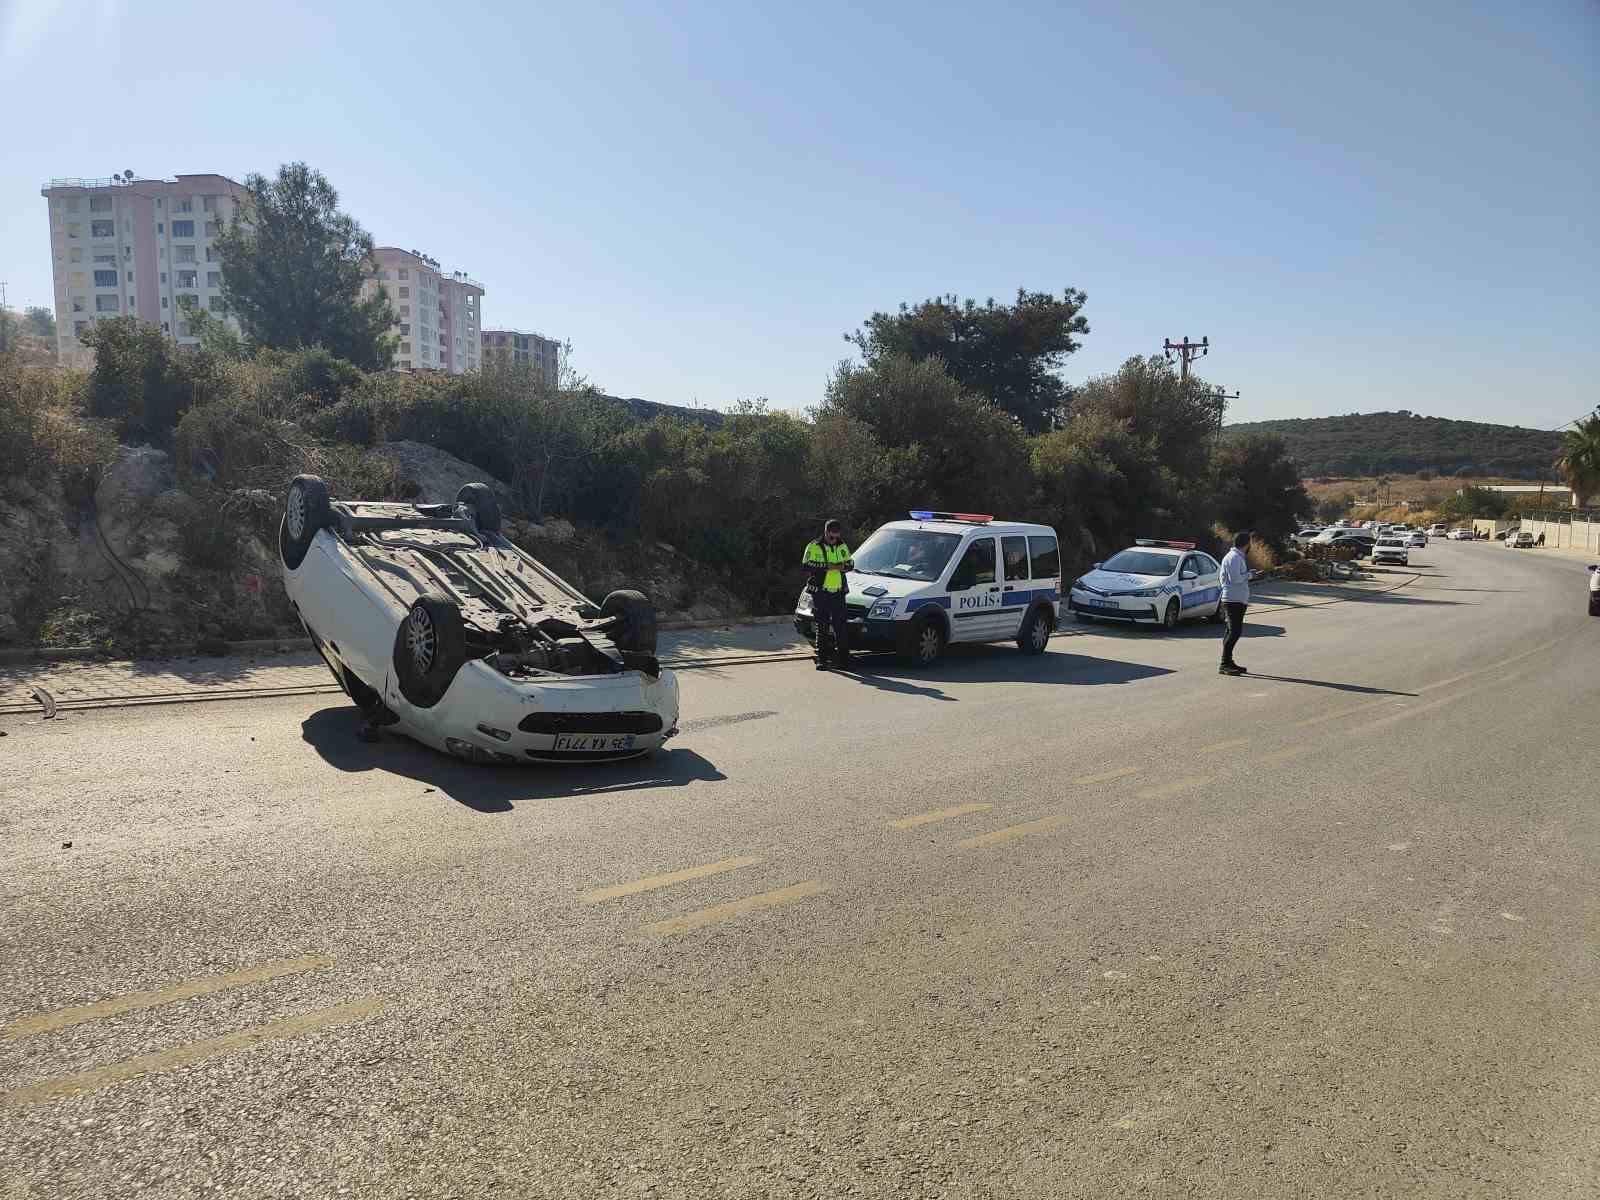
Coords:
pixel 44 432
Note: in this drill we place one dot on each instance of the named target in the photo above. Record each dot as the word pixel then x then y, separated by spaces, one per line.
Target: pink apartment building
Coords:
pixel 438 313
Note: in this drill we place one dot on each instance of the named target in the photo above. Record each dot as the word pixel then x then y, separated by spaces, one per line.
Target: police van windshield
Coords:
pixel 906 553
pixel 1140 562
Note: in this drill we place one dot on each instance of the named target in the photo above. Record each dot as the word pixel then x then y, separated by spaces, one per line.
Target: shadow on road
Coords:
pixel 1328 683
pixel 992 664
pixel 333 733
pixel 1193 631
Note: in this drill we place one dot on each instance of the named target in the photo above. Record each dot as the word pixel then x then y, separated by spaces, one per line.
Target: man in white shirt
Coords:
pixel 1235 598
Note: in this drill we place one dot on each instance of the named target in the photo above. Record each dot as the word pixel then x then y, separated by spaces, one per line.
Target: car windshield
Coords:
pixel 1391 542
pixel 906 553
pixel 1140 562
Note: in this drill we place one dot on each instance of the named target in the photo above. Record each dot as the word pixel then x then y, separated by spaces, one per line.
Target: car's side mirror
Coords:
pixel 1096 567
pixel 1188 575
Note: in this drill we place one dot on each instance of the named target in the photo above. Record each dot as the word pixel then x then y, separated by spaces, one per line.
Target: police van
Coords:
pixel 942 577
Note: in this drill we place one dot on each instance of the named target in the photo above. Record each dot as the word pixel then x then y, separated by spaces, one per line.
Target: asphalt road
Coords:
pixel 1096 924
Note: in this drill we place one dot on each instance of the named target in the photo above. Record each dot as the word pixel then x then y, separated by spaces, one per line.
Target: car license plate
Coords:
pixel 594 741
pixel 1103 603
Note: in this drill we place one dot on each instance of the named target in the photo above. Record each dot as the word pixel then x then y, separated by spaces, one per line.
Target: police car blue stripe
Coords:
pixel 918 602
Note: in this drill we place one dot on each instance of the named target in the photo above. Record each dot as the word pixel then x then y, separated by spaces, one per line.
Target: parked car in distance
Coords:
pixel 1461 535
pixel 1438 529
pixel 1306 536
pixel 1391 550
pixel 1520 540
pixel 1418 538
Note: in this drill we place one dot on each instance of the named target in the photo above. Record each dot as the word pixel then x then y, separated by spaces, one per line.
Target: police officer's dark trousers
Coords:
pixel 833 632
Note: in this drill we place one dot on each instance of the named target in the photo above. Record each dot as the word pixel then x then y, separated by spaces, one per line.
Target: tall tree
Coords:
pixel 1579 460
pixel 1177 417
pixel 293 266
pixel 1006 353
pixel 1258 486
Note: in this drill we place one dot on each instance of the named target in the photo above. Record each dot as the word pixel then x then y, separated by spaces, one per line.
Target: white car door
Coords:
pixel 975 592
pixel 1015 590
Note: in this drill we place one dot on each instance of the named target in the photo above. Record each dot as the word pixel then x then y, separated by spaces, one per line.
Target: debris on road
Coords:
pixel 46 701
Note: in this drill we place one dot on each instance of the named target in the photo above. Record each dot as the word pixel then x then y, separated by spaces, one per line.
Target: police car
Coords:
pixel 941 577
pixel 1153 582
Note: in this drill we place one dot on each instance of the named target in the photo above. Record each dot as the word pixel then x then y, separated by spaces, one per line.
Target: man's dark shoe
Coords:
pixel 1229 669
pixel 822 664
pixel 1241 670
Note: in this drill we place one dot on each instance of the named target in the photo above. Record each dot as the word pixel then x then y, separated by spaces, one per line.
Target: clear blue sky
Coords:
pixel 1364 208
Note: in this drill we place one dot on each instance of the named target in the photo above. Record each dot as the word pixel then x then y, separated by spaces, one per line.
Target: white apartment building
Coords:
pixel 438 313
pixel 135 247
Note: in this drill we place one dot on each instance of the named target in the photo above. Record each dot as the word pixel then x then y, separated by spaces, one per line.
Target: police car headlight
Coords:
pixel 883 610
pixel 1144 592
pixel 803 605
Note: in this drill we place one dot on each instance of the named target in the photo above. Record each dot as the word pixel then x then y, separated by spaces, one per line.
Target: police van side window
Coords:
pixel 1014 553
pixel 1046 557
pixel 976 566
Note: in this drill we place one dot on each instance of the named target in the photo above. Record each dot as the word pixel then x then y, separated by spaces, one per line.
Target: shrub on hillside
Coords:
pixel 44 432
pixel 144 383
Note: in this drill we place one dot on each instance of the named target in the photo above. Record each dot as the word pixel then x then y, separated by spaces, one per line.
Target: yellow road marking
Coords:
pixel 1418 710
pixel 1163 791
pixel 661 881
pixel 1504 662
pixel 1105 776
pixel 62 1018
pixel 181 1056
pixel 938 814
pixel 1042 825
pixel 721 912
pixel 1230 744
pixel 1340 713
pixel 1283 756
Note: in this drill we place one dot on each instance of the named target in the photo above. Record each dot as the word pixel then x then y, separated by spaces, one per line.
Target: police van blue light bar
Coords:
pixel 969 518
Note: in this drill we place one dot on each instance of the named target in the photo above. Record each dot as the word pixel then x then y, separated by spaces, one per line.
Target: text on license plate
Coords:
pixel 594 741
pixel 1103 603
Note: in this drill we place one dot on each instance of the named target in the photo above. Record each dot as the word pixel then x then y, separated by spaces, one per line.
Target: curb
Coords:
pixel 271 645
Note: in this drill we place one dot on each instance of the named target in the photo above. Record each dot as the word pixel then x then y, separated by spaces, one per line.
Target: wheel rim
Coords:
pixel 295 512
pixel 928 645
pixel 1041 633
pixel 420 639
pixel 1171 619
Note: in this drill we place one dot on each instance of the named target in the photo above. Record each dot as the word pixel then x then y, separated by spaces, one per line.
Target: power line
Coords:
pixel 1186 350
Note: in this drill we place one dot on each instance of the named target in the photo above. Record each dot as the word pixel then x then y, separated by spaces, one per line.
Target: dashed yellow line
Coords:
pixel 1105 776
pixel 1230 744
pixel 1283 756
pixel 938 814
pixel 1177 787
pixel 180 1056
pixel 65 1017
pixel 1011 832
pixel 660 881
pixel 1340 713
pixel 722 912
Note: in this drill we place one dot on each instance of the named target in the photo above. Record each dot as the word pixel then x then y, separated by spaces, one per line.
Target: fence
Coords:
pixel 1566 528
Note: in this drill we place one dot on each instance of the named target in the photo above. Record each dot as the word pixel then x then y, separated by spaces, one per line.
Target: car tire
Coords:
pixel 1594 604
pixel 1036 630
pixel 429 648
pixel 924 642
pixel 635 627
pixel 306 509
pixel 1169 619
pixel 482 503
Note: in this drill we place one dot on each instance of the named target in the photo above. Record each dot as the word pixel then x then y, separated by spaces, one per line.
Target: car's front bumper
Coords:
pixel 1113 608
pixel 1391 557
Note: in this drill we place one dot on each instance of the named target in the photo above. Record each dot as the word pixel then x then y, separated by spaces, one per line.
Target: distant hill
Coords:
pixel 649 410
pixel 1403 443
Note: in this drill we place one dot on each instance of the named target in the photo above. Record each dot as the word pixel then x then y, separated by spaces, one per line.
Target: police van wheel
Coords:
pixel 1169 619
pixel 1036 631
pixel 924 645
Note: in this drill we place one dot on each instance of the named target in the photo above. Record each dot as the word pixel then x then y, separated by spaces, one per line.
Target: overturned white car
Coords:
pixel 438 626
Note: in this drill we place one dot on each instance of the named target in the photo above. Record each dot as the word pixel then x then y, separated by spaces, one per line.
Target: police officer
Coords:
pixel 825 561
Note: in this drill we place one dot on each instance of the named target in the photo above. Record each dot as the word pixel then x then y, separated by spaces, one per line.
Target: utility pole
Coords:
pixel 1186 350
pixel 1220 398
pixel 5 321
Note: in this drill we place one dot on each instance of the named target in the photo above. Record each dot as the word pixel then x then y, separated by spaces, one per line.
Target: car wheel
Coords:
pixel 482 504
pixel 1169 619
pixel 305 510
pixel 925 643
pixel 1594 604
pixel 429 648
pixel 635 620
pixel 1036 631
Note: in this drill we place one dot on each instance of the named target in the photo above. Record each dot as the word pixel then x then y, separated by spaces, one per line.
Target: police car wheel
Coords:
pixel 925 644
pixel 1035 635
pixel 1169 619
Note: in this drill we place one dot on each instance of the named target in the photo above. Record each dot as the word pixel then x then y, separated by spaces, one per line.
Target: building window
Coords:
pixel 159 202
pixel 183 254
pixel 405 310
pixel 130 276
pixel 108 304
pixel 405 293
pixel 182 229
pixel 105 259
pixel 211 229
pixel 405 330
pixel 99 203
pixel 70 204
pixel 183 329
pixel 160 228
pixel 165 328
pixel 105 279
pixel 212 254
pixel 209 204
pixel 188 279
pixel 213 278
pixel 184 204
pixel 163 302
pixel 405 273
pixel 163 277
pixel 75 254
pixel 79 304
pixel 405 347
pixel 79 279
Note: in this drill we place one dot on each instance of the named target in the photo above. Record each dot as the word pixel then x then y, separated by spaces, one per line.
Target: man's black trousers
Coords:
pixel 833 633
pixel 1234 615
